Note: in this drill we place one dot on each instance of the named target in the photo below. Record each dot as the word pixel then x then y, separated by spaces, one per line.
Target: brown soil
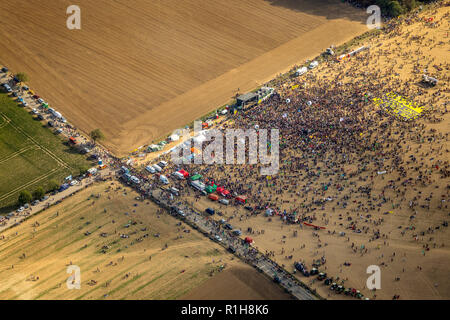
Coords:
pixel 140 71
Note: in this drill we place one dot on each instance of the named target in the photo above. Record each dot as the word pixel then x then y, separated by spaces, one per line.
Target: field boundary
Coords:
pixel 35 145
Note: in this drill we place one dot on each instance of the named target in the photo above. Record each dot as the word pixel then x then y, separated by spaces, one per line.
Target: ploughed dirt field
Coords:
pixel 140 70
pixel 125 249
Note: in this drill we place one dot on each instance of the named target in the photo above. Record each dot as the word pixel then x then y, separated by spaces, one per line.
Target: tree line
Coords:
pixel 393 8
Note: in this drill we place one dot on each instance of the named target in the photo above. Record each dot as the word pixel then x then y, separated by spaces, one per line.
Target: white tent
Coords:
pixel 199 138
pixel 301 71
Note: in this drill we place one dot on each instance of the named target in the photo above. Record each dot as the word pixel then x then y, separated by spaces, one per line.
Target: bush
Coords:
pixel 83 169
pixel 38 193
pixel 22 76
pixel 96 134
pixel 395 9
pixel 53 185
pixel 25 197
pixel 392 8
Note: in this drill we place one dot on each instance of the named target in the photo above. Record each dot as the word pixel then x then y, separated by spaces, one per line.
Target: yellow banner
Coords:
pixel 399 107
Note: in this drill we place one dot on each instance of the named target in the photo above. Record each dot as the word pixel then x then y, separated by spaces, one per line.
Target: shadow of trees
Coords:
pixel 330 9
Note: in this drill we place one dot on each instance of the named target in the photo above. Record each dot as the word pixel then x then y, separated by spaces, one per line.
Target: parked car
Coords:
pixel 237 232
pixel 63 187
pixel 162 164
pixel 210 211
pixel 135 180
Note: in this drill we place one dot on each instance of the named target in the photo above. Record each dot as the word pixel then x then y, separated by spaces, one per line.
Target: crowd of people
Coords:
pixel 341 156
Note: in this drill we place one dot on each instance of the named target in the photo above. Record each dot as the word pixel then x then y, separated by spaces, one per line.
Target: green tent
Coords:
pixel 211 189
pixel 196 177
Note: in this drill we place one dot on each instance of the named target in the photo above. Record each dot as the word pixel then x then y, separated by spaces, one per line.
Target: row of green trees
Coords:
pixel 26 196
pixel 393 7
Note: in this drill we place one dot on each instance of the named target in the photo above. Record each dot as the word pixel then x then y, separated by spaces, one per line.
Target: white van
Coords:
pixel 178 175
pixel 150 169
pixel 157 168
pixel 164 179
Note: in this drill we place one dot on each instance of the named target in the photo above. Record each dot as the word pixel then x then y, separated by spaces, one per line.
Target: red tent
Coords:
pixel 222 191
pixel 184 173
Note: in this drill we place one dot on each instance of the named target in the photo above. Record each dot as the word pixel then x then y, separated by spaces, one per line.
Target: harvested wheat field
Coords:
pixel 238 283
pixel 140 70
pixel 129 252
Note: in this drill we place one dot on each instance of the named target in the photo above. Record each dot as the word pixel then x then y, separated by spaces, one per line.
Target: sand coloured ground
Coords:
pixel 140 70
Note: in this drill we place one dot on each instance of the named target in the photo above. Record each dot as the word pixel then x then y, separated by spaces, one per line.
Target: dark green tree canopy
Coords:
pixel 25 197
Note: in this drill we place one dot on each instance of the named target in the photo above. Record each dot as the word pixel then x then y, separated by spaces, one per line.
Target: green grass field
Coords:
pixel 30 154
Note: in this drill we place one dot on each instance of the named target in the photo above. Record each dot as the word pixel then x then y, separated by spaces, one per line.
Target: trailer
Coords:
pixel 241 199
pixel 198 185
pixel 213 197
